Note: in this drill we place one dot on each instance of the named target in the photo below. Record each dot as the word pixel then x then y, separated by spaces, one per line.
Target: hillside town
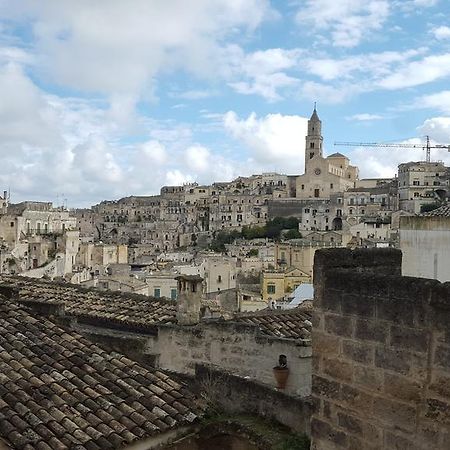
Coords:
pixel 270 312
pixel 252 240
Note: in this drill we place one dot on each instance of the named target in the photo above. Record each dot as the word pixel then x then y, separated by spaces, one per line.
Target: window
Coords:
pixel 173 293
pixel 271 289
pixel 303 187
pixel 316 193
pixel 311 145
pixel 416 183
pixel 350 211
pixel 12 224
pixel 416 194
pixel 157 292
pixel 219 278
pixel 311 154
pixel 331 185
pixel 436 183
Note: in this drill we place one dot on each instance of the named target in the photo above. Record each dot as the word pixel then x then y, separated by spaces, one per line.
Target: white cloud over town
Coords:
pixel 109 94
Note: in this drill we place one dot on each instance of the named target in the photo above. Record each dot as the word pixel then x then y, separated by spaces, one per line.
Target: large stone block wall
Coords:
pixel 236 395
pixel 234 347
pixel 381 354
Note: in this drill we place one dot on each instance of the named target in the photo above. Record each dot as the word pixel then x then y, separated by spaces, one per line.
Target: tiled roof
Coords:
pixel 60 391
pixel 442 211
pixel 115 307
pixel 336 155
pixel 292 324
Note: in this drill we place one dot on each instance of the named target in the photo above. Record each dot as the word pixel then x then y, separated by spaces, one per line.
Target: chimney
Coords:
pixel 190 288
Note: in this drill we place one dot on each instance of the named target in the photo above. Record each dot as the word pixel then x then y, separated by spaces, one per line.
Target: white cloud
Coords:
pixel 348 21
pixel 414 73
pixel 439 101
pixel 442 32
pixel 198 94
pixel 121 46
pixel 152 153
pixel 262 72
pixel 177 178
pixel 197 158
pixel 327 93
pixel 438 128
pixel 365 117
pixel 276 142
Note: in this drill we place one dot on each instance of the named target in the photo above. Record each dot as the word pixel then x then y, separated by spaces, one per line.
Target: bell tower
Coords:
pixel 314 139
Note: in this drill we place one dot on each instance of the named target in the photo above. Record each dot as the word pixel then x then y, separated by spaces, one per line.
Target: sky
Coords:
pixel 109 98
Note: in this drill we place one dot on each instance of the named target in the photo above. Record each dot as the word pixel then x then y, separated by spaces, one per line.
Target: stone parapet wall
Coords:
pixel 235 395
pixel 381 354
pixel 235 347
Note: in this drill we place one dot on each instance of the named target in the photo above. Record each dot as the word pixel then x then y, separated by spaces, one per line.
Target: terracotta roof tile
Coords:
pixel 93 305
pixel 290 324
pixel 64 392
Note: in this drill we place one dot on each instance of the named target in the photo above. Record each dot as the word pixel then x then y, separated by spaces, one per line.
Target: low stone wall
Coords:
pixel 236 395
pixel 381 346
pixel 235 347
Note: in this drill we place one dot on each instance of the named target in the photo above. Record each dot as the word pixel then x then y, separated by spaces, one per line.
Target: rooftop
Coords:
pixel 91 304
pixel 337 155
pixel 292 324
pixel 58 390
pixel 442 211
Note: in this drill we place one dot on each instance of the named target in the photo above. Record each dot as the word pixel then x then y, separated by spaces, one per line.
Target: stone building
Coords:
pixel 323 176
pixel 4 202
pixel 275 285
pixel 381 366
pixel 34 218
pixel 425 243
pixel 421 183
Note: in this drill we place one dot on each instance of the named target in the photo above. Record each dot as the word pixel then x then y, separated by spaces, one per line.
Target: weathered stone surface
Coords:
pixel 351 423
pixel 396 360
pixel 399 394
pixel 441 384
pixel 442 356
pixel 368 378
pixel 356 399
pixel 410 338
pixel 358 351
pixel 356 305
pixel 402 388
pixel 325 387
pixel 370 330
pixel 337 368
pixel 397 441
pixel 438 411
pixel 324 429
pixel 339 325
pixel 393 412
pixel 325 344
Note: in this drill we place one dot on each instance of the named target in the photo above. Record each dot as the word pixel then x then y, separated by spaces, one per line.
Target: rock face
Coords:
pixel 381 354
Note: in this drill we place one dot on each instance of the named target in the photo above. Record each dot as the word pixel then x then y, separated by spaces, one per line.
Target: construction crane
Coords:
pixel 425 146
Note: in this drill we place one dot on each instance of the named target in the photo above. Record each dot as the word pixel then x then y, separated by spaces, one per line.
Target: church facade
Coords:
pixel 323 176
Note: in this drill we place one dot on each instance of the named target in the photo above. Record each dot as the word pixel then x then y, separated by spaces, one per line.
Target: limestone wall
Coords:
pixel 237 348
pixel 381 346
